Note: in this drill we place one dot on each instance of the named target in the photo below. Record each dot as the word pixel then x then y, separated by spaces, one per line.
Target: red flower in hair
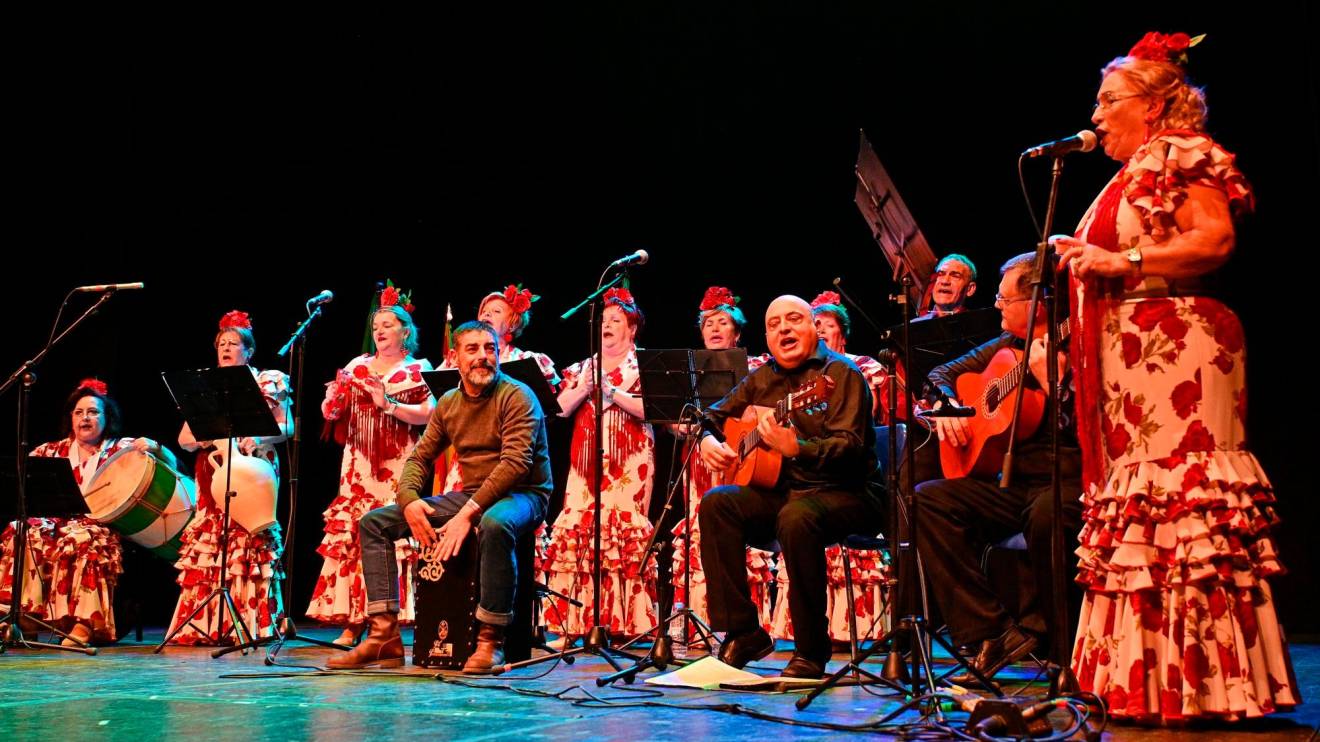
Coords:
pixel 623 296
pixel 391 296
pixel 718 296
pixel 235 320
pixel 95 385
pixel 826 297
pixel 1158 47
pixel 520 298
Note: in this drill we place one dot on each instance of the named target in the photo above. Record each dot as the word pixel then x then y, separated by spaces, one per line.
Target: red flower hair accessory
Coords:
pixel 1158 47
pixel 519 298
pixel 623 296
pixel 826 297
pixel 235 320
pixel 95 385
pixel 718 296
pixel 392 297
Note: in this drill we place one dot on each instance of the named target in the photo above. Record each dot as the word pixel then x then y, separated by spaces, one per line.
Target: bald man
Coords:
pixel 821 496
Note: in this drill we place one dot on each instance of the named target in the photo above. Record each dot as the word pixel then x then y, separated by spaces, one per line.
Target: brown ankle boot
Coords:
pixel 489 653
pixel 383 646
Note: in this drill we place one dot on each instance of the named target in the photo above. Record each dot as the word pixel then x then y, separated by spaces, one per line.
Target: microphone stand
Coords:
pixel 1044 288
pixel 285 629
pixel 11 630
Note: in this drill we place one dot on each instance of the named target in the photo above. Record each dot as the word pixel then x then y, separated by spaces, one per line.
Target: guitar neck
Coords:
pixel 1010 380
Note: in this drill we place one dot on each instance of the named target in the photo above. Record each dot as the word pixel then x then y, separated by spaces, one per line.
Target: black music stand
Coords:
pixel 525 370
pixel 677 385
pixel 51 493
pixel 221 404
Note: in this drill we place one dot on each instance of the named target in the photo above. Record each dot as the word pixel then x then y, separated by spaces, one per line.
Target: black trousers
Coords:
pixel 804 522
pixel 958 518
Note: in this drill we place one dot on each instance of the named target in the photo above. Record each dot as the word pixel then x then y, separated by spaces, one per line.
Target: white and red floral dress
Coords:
pixel 72 564
pixel 254 568
pixel 376 445
pixel 627 586
pixel 1177 620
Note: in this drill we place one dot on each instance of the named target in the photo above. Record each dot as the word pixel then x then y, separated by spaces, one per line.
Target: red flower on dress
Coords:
pixel 718 296
pixel 1228 332
pixel 1197 438
pixel 1117 438
pixel 826 297
pixel 1196 666
pixel 95 385
pixel 235 320
pixel 1186 397
pixel 361 372
pixel 1132 411
pixel 1193 478
pixel 1152 312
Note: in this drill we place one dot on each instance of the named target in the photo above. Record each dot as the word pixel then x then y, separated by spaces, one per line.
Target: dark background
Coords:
pixel 251 161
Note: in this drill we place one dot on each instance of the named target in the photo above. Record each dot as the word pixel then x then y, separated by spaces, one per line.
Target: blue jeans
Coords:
pixel 502 524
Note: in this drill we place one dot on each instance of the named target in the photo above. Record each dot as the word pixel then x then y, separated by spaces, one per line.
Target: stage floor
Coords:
pixel 128 693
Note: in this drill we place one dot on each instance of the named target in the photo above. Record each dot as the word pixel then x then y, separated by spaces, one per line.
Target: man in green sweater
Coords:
pixel 497 429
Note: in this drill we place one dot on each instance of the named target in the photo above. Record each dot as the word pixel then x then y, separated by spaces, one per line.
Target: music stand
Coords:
pixel 677 385
pixel 221 404
pixel 939 339
pixel 51 493
pixel 892 225
pixel 525 370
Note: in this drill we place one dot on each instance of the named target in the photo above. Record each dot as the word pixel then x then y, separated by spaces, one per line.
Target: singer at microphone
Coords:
pixel 1083 141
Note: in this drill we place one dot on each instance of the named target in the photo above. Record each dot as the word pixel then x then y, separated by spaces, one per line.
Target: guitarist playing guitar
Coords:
pixel 958 517
pixel 812 407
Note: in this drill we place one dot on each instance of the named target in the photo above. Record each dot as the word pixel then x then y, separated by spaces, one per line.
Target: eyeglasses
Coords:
pixel 1001 299
pixel 1107 100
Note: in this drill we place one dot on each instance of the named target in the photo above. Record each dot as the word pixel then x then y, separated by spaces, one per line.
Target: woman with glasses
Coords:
pixel 1178 620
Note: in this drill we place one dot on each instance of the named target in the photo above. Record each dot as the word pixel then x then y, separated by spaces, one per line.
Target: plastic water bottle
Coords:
pixel 677 640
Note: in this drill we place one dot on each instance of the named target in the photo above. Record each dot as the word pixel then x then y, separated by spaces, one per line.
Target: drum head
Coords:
pixel 117 485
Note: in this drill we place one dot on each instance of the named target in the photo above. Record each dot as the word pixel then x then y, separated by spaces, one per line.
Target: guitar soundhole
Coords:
pixel 991 400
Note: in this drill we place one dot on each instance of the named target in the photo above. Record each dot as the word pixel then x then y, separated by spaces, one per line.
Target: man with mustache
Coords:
pixel 497 428
pixel 820 498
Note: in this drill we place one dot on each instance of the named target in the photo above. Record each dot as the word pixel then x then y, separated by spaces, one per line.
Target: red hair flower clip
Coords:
pixel 95 385
pixel 1158 47
pixel 235 320
pixel 520 298
pixel 623 296
pixel 718 296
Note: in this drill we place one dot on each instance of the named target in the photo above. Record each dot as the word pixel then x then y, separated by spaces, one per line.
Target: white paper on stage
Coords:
pixel 706 673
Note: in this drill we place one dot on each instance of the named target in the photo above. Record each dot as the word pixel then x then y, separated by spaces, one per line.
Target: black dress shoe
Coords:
pixel 996 654
pixel 801 667
pixel 739 649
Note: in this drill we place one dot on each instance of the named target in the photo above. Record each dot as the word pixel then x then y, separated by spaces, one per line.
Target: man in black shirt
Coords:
pixel 958 518
pixel 821 495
